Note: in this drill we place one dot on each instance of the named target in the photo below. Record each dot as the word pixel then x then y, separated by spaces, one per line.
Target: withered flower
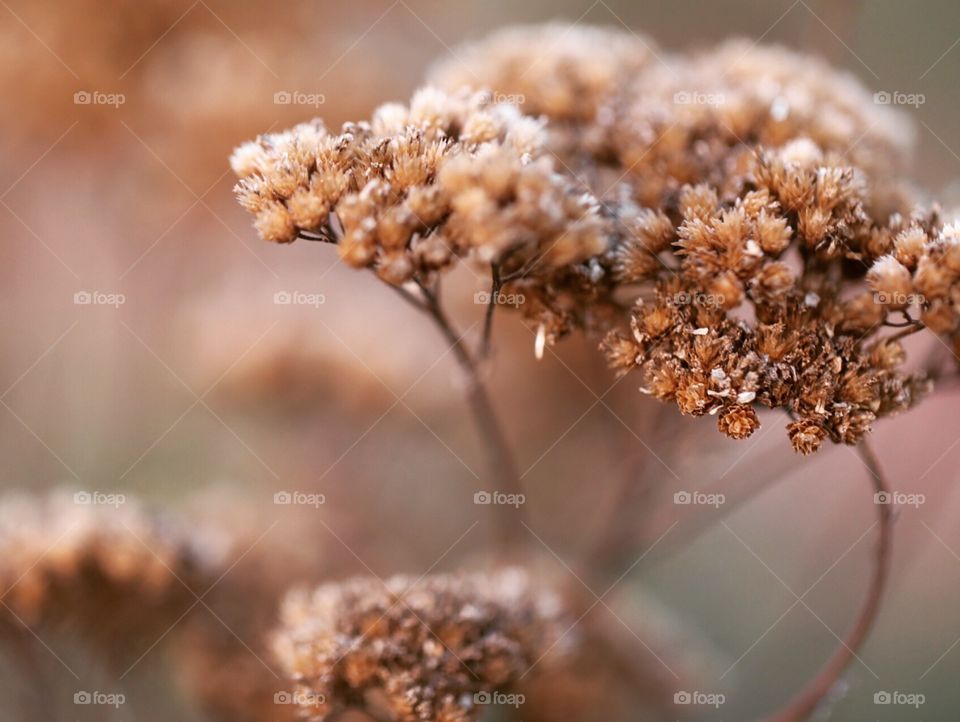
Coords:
pixel 449 176
pixel 427 650
pixel 748 191
pixel 65 559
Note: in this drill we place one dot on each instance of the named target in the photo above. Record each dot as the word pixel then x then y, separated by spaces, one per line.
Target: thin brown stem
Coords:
pixel 804 704
pixel 495 286
pixel 619 649
pixel 500 456
pixel 409 297
pixel 911 328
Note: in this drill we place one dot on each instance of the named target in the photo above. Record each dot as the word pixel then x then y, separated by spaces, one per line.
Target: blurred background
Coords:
pixel 145 352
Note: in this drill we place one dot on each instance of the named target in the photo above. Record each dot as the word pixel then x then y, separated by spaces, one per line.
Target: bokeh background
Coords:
pixel 185 383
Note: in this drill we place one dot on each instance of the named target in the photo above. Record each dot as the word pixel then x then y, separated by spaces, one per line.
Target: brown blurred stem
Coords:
pixel 495 285
pixel 24 652
pixel 805 703
pixel 500 456
pixel 907 329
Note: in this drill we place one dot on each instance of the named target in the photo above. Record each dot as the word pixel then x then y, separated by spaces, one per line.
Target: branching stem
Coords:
pixel 499 454
pixel 495 286
pixel 805 703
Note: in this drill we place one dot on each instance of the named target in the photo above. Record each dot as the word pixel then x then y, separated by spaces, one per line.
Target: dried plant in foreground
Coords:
pixel 427 649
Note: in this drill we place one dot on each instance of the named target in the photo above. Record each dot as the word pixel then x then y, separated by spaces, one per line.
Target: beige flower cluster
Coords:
pixel 66 555
pixel 693 354
pixel 449 176
pixel 921 268
pixel 566 73
pixel 730 220
pixel 621 109
pixel 432 650
pixel 790 250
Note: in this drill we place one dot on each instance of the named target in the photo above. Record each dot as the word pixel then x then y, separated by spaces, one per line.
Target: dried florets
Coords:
pixel 934 283
pixel 64 557
pixel 806 436
pixel 566 72
pixel 699 118
pixel 450 175
pixel 693 354
pixel 503 208
pixel 423 648
pixel 739 421
pixel 748 190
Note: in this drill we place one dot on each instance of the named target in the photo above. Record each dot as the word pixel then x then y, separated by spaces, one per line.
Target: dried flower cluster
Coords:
pixel 62 558
pixel 423 648
pixel 564 73
pixel 807 345
pixel 619 106
pixel 921 268
pixel 451 175
pixel 727 219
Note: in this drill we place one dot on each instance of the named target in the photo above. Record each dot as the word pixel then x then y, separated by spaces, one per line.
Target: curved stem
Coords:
pixel 495 286
pixel 907 329
pixel 804 704
pixel 500 456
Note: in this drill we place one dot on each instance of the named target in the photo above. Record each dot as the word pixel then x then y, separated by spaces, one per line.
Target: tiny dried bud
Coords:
pixel 727 290
pixel 773 233
pixel 692 396
pixel 621 352
pixel 806 436
pixel 738 422
pixel 773 283
pixel 275 224
pixel 892 282
pixel 909 246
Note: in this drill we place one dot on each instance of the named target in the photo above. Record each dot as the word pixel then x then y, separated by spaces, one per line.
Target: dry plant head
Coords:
pixel 452 175
pixel 62 544
pixel 566 73
pixel 729 220
pixel 418 186
pixel 65 558
pixel 427 649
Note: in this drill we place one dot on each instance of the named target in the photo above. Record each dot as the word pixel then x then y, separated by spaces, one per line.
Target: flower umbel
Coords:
pixel 421 648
